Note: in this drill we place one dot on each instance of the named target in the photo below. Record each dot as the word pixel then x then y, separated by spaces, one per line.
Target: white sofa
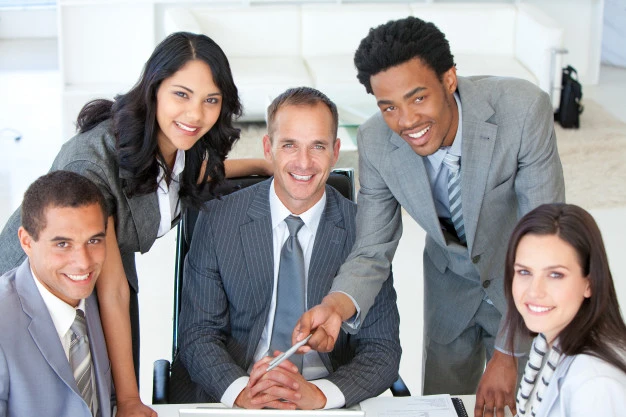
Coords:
pixel 273 47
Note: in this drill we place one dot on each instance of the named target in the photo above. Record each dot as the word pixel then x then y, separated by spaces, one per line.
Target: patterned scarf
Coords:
pixel 530 392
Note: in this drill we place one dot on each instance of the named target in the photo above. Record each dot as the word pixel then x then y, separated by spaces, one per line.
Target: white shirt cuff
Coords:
pixel 508 352
pixel 353 322
pixel 233 391
pixel 334 396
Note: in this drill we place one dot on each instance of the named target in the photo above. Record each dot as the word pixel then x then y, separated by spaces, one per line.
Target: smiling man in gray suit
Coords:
pixel 53 359
pixel 233 274
pixel 500 132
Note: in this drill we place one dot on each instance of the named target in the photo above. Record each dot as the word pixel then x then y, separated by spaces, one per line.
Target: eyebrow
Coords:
pixel 546 268
pixel 67 239
pixel 406 96
pixel 217 93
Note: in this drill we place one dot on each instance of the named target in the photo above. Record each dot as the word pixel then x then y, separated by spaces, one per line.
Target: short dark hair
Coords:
pixel 399 41
pixel 301 96
pixel 58 189
pixel 598 328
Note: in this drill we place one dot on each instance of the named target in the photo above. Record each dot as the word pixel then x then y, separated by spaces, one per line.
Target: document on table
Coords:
pixel 426 406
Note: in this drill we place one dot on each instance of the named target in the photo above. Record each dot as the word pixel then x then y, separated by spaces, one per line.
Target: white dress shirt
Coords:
pixel 167 196
pixel 63 316
pixel 313 368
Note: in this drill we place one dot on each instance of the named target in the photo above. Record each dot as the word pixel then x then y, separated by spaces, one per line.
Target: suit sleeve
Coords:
pixel 539 178
pixel 204 321
pixel 376 347
pixel 379 228
pixel 4 384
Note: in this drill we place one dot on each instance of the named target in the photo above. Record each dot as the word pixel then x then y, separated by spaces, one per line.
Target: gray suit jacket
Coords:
pixel 92 154
pixel 228 282
pixel 35 376
pixel 509 165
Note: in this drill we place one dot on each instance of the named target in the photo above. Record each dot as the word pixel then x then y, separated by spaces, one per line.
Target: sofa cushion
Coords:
pixel 508 66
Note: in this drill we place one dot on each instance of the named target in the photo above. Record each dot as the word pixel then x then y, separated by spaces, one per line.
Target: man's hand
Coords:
pixel 325 321
pixel 133 407
pixel 497 386
pixel 283 384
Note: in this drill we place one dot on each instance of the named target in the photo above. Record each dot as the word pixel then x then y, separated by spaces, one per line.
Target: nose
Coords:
pixel 82 257
pixel 194 111
pixel 537 286
pixel 406 119
pixel 303 158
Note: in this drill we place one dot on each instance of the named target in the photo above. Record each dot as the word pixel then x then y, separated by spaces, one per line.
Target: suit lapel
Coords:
pixel 410 171
pixel 99 355
pixel 479 137
pixel 257 244
pixel 41 327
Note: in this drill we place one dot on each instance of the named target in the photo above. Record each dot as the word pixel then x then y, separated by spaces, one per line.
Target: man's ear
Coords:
pixel 26 240
pixel 449 80
pixel 267 148
pixel 336 147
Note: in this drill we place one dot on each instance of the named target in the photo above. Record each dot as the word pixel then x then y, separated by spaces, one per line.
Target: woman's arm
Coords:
pixel 113 298
pixel 248 166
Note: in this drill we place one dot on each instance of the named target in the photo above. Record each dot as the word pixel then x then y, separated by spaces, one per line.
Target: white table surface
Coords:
pixel 171 410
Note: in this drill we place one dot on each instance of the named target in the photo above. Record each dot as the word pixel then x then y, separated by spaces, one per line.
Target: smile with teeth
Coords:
pixel 538 309
pixel 185 127
pixel 301 177
pixel 419 134
pixel 77 277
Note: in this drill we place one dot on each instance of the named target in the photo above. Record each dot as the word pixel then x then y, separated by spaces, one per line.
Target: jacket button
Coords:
pixel 486 283
pixel 475 259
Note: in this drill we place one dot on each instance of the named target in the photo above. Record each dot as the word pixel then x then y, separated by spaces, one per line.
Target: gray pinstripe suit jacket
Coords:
pixel 227 290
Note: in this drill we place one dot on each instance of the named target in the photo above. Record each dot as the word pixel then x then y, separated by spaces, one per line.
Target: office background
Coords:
pixel 32 94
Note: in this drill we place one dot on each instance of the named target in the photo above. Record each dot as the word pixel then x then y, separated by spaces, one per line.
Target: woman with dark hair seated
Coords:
pixel 558 278
pixel 160 146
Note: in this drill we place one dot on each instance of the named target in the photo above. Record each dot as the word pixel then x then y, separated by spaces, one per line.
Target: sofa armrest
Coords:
pixel 180 19
pixel 537 36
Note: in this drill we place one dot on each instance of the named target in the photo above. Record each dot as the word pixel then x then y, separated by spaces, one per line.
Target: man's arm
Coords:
pixel 4 384
pixel 376 360
pixel 379 228
pixel 204 318
pixel 539 180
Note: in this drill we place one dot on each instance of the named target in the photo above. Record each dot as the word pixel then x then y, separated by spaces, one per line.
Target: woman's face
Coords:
pixel 188 105
pixel 548 284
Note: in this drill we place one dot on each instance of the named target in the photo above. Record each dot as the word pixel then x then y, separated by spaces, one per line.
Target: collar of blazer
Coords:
pixel 479 136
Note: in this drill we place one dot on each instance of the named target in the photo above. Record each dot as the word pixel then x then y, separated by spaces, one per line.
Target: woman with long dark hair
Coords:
pixel 160 146
pixel 558 278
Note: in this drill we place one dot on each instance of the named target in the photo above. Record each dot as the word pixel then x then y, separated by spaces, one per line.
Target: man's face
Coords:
pixel 303 151
pixel 68 256
pixel 417 105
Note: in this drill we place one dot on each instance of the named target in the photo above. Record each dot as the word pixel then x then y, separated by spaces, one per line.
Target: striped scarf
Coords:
pixel 530 392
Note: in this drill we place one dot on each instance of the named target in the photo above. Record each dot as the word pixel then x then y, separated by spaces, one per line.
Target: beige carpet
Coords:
pixel 592 156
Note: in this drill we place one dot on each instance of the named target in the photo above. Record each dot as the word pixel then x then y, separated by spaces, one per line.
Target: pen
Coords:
pixel 283 356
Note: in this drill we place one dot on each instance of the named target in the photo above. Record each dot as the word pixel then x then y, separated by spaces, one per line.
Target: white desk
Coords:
pixel 171 410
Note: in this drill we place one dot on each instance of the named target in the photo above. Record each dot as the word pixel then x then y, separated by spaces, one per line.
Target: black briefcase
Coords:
pixel 570 108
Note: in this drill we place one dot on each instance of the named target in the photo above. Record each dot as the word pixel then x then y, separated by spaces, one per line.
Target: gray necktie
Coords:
pixel 454 192
pixel 290 294
pixel 80 358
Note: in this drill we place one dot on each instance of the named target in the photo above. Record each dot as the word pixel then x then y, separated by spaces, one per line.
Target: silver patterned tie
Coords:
pixel 80 358
pixel 453 163
pixel 290 294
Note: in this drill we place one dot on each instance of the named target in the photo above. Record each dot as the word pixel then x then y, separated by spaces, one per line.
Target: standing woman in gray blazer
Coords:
pixel 160 146
pixel 557 275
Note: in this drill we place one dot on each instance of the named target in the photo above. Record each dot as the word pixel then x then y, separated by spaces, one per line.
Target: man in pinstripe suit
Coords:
pixel 229 294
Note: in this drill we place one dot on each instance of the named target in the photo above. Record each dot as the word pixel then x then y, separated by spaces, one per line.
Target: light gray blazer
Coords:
pixel 228 281
pixel 584 385
pixel 92 154
pixel 509 165
pixel 35 376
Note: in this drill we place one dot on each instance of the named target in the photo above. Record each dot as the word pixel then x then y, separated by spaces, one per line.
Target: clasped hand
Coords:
pixel 281 388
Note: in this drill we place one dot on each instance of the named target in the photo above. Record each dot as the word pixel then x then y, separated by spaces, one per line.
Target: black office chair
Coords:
pixel 340 179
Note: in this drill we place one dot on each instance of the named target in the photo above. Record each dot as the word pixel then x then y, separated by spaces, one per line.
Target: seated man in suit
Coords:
pixel 53 358
pixel 260 255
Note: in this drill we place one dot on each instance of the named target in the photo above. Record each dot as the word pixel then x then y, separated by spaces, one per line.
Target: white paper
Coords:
pixel 426 406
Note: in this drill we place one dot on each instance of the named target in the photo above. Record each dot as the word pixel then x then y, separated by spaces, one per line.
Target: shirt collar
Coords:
pixel 311 217
pixel 179 166
pixel 436 158
pixel 62 314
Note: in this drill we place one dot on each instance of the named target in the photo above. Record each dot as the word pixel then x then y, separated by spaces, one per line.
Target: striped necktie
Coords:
pixel 453 163
pixel 80 358
pixel 290 292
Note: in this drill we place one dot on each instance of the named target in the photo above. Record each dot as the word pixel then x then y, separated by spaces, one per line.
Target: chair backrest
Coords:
pixel 341 179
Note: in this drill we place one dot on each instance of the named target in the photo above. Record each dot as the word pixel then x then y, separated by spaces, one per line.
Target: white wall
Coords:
pixel 614 33
pixel 582 21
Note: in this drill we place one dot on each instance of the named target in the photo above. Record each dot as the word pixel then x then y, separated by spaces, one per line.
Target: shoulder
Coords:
pixel 96 146
pixel 9 302
pixel 235 204
pixel 592 372
pixel 347 207
pixel 504 93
